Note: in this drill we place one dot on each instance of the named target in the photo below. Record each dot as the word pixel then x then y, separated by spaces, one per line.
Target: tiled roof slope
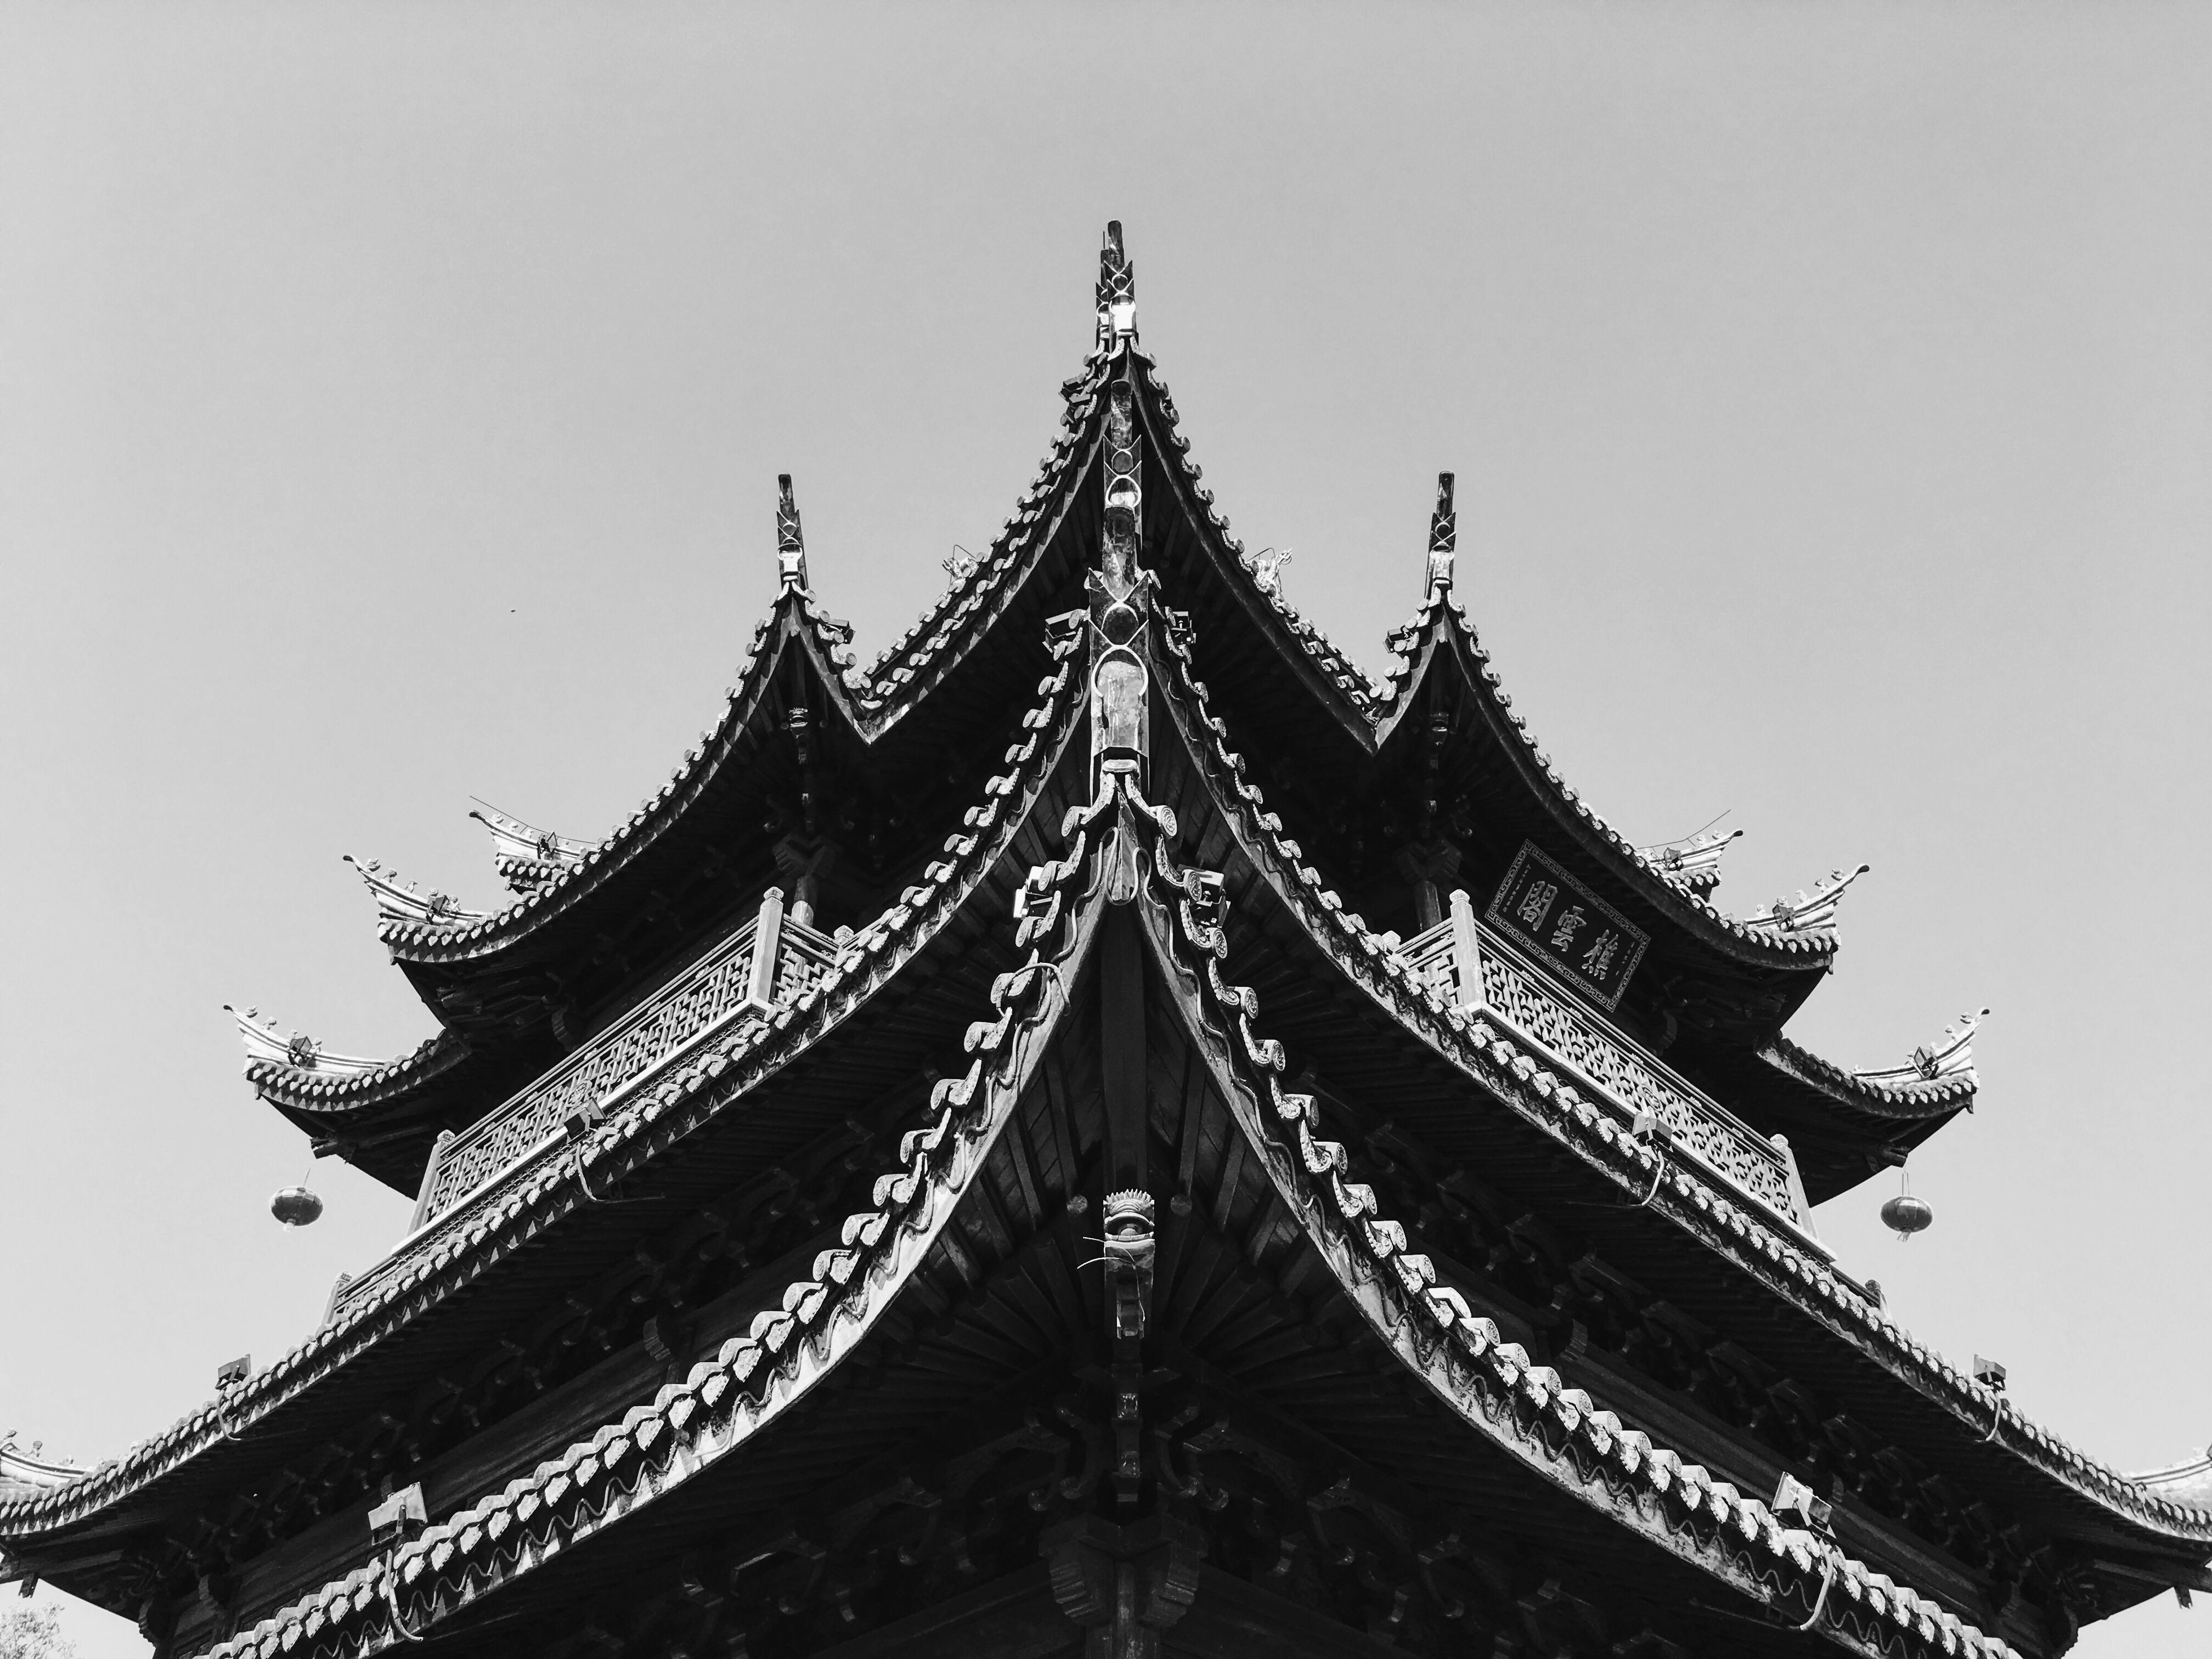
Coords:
pixel 511 1212
pixel 690 1428
pixel 1526 1078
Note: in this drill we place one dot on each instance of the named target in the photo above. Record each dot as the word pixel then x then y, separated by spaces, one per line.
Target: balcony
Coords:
pixel 1470 967
pixel 769 962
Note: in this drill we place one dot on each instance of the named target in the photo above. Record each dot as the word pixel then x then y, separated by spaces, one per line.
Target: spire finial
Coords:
pixel 790 545
pixel 1443 534
pixel 1117 290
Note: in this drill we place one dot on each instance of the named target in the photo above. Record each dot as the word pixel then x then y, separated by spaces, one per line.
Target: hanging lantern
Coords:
pixel 295 1206
pixel 1905 1215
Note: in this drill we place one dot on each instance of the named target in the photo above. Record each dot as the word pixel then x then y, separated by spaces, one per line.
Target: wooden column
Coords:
pixel 768 935
pixel 1467 950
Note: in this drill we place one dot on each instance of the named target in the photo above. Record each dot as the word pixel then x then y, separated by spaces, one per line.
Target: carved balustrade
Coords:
pixel 1469 966
pixel 770 962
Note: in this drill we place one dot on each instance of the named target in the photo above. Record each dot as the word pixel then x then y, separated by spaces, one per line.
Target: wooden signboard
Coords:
pixel 1562 924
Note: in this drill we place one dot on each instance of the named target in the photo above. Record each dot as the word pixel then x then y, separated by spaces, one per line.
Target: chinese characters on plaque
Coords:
pixel 1561 923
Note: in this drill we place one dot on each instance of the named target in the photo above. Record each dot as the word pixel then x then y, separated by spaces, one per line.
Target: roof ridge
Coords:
pixel 929 633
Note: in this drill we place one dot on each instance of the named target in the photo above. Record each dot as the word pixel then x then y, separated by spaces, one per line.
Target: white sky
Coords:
pixel 391 399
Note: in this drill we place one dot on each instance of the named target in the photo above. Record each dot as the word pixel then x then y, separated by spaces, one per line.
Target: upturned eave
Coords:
pixel 1744 1248
pixel 515 1229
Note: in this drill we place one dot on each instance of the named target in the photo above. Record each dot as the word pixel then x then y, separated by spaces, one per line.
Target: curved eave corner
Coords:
pixel 1547 1098
pixel 796 624
pixel 320 1089
pixel 2188 1482
pixel 691 1428
pixel 1525 1410
pixel 1904 1096
pixel 1447 642
pixel 510 1215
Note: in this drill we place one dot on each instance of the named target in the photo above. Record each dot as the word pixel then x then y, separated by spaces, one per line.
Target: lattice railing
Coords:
pixel 770 962
pixel 1469 965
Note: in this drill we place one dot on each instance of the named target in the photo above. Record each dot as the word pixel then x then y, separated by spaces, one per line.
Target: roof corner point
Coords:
pixel 1443 538
pixel 1117 291
pixel 790 543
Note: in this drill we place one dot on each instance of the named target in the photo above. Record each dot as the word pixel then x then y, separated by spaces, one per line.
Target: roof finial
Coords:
pixel 1117 291
pixel 1443 534
pixel 790 545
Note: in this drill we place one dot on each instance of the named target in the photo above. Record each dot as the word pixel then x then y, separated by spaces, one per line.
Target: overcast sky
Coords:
pixel 392 399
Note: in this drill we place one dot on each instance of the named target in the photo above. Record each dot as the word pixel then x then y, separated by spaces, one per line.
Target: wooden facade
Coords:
pixel 1108 1132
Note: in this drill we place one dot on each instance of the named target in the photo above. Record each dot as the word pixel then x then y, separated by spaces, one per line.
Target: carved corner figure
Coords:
pixel 1130 1247
pixel 1444 536
pixel 790 542
pixel 1117 291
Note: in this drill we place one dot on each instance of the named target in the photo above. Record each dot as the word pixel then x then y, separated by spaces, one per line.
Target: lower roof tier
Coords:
pixel 636 1150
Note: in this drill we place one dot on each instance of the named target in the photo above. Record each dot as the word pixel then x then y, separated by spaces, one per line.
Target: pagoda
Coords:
pixel 1112 1132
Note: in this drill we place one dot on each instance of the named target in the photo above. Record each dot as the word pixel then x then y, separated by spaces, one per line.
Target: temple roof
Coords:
pixel 687 1429
pixel 458 1255
pixel 1793 934
pixel 464 1251
pixel 1442 699
pixel 495 979
pixel 1506 1063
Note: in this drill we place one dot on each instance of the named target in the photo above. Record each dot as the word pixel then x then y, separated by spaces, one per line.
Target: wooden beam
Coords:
pixel 1010 1617
pixel 1232 1620
pixel 1121 1049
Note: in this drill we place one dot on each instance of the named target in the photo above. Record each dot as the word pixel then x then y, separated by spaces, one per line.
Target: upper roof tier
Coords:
pixel 1399 790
